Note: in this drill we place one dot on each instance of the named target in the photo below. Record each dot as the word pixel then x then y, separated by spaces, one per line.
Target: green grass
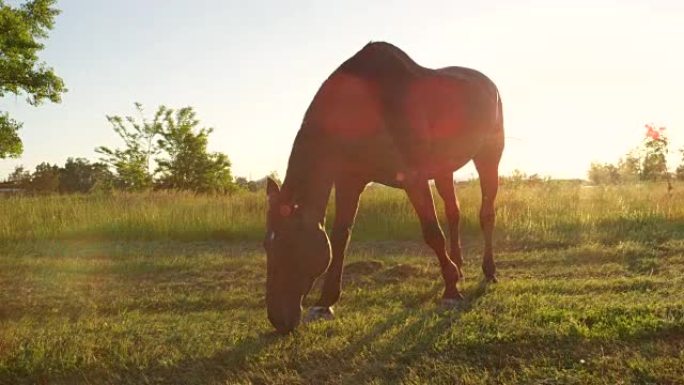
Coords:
pixel 168 288
pixel 551 214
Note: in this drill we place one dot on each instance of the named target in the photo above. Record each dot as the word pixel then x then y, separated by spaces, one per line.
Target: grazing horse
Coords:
pixel 380 117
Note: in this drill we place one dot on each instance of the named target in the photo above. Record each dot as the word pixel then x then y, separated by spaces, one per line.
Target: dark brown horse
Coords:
pixel 380 117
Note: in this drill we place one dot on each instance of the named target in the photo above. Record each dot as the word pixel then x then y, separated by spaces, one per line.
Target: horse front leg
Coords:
pixel 347 193
pixel 421 198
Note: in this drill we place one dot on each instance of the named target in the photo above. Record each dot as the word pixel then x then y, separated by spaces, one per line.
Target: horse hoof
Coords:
pixel 319 313
pixel 450 303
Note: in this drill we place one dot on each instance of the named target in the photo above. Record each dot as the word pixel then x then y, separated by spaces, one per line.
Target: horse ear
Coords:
pixel 271 187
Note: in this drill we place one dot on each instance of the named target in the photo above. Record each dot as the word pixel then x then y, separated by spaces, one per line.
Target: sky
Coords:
pixel 578 79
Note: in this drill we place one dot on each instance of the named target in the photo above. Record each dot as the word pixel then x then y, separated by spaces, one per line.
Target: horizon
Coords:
pixel 571 96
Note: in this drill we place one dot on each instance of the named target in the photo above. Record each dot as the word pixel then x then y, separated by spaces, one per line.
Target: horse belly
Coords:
pixel 347 108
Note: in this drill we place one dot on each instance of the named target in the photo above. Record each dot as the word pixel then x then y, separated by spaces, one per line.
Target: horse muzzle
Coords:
pixel 284 312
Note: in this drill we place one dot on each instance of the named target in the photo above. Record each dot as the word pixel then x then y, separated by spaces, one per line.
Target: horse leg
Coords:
pixel 421 198
pixel 445 187
pixel 347 193
pixel 488 171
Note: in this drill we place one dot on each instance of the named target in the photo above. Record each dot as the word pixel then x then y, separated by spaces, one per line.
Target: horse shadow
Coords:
pixel 233 362
pixel 343 361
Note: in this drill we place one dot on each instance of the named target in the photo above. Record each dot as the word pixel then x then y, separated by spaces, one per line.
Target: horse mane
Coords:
pixel 379 62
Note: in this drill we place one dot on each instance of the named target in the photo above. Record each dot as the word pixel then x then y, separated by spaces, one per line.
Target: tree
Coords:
pixel 654 166
pixel 45 179
pixel 605 173
pixel 80 176
pixel 10 143
pixel 20 177
pixel 243 183
pixel 629 167
pixel 680 169
pixel 187 164
pixel 132 163
pixel 102 178
pixel 21 28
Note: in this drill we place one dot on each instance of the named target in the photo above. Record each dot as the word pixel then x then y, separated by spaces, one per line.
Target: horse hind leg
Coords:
pixel 487 165
pixel 445 187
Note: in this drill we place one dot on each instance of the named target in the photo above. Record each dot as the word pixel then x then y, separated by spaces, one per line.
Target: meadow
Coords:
pixel 169 288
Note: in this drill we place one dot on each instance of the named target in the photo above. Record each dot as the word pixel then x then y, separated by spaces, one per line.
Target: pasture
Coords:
pixel 169 288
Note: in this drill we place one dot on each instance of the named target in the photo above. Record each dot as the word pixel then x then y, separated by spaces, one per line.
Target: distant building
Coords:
pixel 7 188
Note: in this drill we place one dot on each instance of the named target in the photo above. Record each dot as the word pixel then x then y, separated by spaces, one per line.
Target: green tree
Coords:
pixel 80 176
pixel 654 163
pixel 243 183
pixel 603 173
pixel 45 179
pixel 132 163
pixel 10 143
pixel 629 167
pixel 680 169
pixel 21 72
pixel 187 164
pixel 20 177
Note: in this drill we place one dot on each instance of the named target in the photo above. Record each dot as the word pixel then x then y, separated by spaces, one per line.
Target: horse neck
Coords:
pixel 307 182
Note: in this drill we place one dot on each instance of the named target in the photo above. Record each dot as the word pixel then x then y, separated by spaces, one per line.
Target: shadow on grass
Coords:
pixel 190 371
pixel 408 343
pixel 400 363
pixel 233 363
pixel 393 358
pixel 405 356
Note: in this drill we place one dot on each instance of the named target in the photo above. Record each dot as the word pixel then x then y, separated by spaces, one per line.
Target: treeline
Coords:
pixel 167 152
pixel 77 175
pixel 647 162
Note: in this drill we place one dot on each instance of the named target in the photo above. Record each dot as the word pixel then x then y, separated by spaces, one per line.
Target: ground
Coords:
pixel 599 304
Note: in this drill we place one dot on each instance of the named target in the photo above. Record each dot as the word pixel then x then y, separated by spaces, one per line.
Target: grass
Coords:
pixel 168 288
pixel 549 214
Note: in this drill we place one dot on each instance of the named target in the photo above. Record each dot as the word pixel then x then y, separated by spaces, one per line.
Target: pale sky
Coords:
pixel 579 79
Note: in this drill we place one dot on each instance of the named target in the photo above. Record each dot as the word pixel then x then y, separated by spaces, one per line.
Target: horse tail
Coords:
pixel 499 123
pixel 499 113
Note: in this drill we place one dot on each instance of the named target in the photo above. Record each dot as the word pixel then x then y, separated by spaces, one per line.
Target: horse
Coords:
pixel 379 118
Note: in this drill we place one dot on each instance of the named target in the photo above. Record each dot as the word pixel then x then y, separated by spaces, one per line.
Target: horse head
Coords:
pixel 297 253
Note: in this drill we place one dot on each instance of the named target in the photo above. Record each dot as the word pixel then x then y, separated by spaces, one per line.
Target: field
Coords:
pixel 169 288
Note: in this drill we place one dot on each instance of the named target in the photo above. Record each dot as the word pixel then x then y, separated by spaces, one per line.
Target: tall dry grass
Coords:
pixel 550 214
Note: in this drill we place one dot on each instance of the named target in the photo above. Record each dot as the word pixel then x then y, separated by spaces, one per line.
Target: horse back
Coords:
pixel 407 117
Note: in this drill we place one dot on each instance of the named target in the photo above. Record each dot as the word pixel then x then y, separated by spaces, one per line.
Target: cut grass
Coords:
pixel 104 290
pixel 153 312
